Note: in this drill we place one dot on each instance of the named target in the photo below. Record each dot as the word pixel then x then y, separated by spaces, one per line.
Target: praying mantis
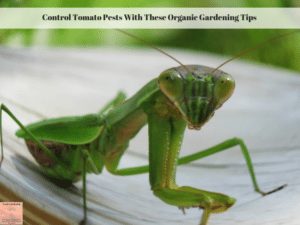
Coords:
pixel 186 96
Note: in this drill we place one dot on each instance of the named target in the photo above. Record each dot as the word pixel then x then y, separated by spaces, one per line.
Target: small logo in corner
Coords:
pixel 11 213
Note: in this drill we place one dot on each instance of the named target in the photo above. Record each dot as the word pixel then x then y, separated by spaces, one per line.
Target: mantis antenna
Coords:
pixel 255 47
pixel 154 47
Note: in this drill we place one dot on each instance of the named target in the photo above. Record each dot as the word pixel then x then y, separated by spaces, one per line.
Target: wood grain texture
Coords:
pixel 264 111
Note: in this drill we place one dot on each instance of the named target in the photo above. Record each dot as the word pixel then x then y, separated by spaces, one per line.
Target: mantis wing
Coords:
pixel 74 130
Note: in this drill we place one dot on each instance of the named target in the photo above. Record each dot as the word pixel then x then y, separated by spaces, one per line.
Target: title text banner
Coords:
pixel 150 18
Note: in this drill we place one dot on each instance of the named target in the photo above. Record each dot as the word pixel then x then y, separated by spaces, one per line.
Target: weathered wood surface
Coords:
pixel 264 111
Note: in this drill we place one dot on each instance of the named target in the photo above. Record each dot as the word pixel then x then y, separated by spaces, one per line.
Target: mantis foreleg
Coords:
pixel 165 138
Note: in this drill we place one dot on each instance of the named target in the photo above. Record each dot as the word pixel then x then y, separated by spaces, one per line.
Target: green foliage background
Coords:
pixel 284 53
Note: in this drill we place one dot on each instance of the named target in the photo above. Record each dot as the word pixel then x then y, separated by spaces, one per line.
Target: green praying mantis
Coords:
pixel 68 148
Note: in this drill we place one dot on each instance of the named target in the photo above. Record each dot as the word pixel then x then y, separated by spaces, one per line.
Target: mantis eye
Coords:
pixel 224 88
pixel 170 83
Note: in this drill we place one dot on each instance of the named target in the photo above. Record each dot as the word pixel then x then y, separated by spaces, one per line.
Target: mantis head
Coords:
pixel 196 91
